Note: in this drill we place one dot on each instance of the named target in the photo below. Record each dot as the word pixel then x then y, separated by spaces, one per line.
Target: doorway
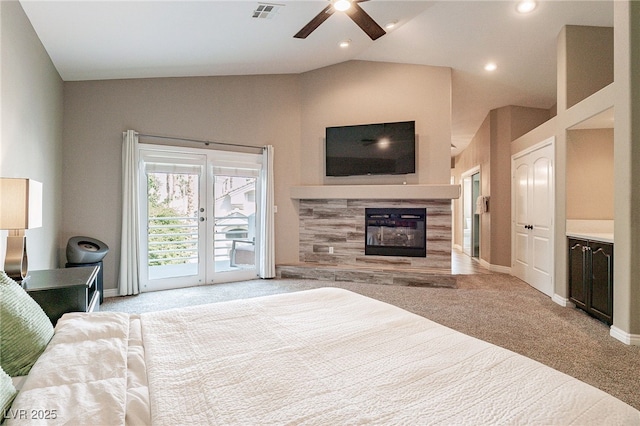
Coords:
pixel 470 215
pixel 198 216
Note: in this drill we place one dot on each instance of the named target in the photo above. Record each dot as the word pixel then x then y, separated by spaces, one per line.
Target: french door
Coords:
pixel 197 216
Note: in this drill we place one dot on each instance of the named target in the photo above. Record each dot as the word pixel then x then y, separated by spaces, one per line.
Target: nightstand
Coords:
pixel 59 291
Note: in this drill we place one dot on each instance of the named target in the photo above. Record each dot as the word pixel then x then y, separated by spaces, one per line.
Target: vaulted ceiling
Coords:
pixel 91 40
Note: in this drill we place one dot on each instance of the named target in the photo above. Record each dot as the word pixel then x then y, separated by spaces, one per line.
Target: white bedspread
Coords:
pixel 332 357
pixel 92 373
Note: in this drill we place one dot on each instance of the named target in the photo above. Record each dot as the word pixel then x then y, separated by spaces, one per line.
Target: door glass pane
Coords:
pixel 172 224
pixel 235 223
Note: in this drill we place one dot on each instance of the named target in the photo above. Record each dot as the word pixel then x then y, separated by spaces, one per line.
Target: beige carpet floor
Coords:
pixel 497 308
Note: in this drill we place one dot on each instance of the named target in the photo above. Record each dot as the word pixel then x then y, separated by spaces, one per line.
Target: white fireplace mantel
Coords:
pixel 379 192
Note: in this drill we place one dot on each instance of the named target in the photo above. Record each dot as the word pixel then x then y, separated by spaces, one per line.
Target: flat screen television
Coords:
pixel 371 149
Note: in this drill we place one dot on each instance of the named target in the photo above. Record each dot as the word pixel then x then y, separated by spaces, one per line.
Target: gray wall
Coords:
pixel 287 111
pixel 254 110
pixel 490 151
pixel 361 92
pixel 68 135
pixel 31 127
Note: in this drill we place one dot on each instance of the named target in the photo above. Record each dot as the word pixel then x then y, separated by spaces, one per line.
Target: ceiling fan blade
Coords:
pixel 315 22
pixel 364 21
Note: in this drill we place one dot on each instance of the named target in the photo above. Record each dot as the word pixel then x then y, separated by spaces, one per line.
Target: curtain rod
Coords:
pixel 200 141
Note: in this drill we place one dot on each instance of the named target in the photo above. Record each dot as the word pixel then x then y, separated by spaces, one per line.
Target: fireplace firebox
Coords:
pixel 396 232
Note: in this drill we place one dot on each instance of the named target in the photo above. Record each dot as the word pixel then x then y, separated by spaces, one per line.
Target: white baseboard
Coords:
pixel 501 269
pixel 624 337
pixel 562 301
pixel 110 292
pixel 484 264
pixel 495 268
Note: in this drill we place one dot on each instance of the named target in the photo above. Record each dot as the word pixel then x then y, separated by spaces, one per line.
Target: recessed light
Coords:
pixel 344 43
pixel 491 66
pixel 526 6
pixel 390 25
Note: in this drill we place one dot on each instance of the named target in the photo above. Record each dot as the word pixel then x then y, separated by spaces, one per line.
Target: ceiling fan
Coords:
pixel 353 10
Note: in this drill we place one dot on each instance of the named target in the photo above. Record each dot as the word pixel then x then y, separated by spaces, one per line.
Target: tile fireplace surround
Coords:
pixel 338 224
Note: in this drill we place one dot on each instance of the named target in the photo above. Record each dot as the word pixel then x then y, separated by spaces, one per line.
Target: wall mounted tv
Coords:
pixel 371 149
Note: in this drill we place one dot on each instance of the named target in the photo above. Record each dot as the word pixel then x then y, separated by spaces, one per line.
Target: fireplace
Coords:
pixel 395 232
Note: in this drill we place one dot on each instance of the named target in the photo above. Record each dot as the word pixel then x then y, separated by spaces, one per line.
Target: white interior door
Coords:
pixel 532 213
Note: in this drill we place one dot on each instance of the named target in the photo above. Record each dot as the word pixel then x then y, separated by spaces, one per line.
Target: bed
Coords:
pixel 319 357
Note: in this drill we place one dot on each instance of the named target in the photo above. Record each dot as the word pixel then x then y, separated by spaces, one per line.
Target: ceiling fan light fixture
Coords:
pixel 341 5
pixel 356 14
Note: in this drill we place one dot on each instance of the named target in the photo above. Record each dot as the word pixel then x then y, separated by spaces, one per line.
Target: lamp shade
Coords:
pixel 20 203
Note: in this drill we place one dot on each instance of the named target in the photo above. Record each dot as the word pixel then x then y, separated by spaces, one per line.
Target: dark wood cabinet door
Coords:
pixel 602 281
pixel 577 272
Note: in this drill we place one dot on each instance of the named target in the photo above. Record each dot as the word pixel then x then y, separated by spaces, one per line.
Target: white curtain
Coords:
pixel 267 257
pixel 129 279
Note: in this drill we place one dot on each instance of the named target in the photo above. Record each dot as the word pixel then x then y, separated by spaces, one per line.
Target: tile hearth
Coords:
pixel 371 275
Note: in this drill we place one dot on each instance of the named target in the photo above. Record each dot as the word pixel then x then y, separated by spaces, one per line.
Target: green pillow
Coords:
pixel 25 330
pixel 7 393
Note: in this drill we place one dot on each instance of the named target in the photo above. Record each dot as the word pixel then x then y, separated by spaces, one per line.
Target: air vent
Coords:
pixel 266 10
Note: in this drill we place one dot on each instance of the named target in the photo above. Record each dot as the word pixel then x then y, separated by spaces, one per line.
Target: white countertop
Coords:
pixel 602 237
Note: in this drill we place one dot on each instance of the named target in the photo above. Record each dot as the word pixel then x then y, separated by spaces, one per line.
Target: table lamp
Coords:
pixel 20 209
